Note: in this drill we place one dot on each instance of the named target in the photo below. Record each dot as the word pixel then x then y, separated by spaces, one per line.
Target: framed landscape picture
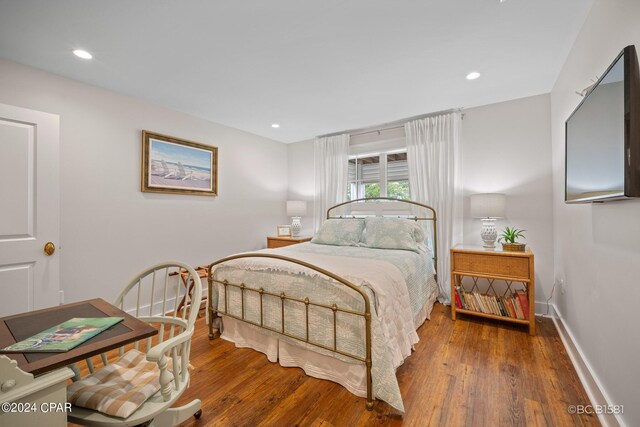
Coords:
pixel 177 166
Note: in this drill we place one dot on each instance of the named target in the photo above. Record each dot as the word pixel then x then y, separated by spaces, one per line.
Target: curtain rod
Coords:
pixel 396 124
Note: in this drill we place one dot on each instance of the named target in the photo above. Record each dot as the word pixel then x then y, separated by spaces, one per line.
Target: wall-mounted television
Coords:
pixel 602 137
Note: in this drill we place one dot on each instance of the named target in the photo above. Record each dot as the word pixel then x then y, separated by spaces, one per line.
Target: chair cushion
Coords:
pixel 119 388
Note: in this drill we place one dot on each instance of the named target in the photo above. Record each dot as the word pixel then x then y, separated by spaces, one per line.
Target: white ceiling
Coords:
pixel 315 67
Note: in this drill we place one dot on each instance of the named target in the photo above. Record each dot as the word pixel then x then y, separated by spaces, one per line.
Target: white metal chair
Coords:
pixel 156 286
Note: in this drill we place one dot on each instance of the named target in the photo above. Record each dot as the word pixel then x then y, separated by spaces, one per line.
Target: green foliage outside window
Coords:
pixel 395 190
pixel 398 190
pixel 372 190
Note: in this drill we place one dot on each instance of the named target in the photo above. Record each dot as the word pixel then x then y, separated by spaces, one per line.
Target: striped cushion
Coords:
pixel 117 389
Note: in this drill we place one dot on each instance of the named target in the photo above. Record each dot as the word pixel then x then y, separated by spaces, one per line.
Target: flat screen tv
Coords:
pixel 602 137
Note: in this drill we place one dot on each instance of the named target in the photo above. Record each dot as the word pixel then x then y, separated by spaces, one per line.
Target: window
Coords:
pixel 398 176
pixel 379 175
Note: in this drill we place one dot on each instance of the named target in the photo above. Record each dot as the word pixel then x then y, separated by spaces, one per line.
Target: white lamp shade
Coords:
pixel 296 208
pixel 488 205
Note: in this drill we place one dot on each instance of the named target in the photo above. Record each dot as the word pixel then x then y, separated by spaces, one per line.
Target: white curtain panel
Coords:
pixel 331 163
pixel 433 154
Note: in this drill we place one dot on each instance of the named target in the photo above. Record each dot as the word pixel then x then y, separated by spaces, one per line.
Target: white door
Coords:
pixel 29 209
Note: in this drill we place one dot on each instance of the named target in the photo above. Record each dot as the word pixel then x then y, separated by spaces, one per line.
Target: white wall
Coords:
pixel 109 228
pixel 301 181
pixel 597 246
pixel 506 149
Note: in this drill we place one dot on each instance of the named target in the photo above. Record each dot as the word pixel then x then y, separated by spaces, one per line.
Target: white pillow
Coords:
pixel 339 232
pixel 392 233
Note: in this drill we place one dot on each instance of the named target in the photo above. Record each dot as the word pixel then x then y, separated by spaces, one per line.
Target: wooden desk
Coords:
pixel 39 380
pixel 22 326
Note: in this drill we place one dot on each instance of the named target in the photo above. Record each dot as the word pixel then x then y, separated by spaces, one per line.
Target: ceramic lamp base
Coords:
pixel 489 234
pixel 296 226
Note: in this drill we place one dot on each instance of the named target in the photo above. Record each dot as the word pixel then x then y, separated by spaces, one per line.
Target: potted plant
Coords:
pixel 509 239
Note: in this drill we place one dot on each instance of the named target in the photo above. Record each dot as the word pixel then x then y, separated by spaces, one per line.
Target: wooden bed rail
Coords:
pixel 366 314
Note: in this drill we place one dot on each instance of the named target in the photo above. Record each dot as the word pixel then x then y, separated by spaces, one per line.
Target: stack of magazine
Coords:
pixel 65 336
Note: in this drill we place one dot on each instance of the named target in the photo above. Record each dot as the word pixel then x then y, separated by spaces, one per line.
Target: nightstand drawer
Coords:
pixel 491 265
pixel 273 243
pixel 279 242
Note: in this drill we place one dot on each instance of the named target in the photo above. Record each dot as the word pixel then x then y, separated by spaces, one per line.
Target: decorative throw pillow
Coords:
pixel 340 232
pixel 418 232
pixel 392 233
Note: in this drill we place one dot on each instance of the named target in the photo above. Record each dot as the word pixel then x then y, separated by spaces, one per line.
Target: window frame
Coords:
pixel 358 184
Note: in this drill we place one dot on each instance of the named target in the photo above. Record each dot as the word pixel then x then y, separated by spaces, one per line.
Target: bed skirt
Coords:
pixel 352 376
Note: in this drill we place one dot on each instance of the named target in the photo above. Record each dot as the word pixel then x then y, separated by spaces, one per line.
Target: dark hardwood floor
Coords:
pixel 472 372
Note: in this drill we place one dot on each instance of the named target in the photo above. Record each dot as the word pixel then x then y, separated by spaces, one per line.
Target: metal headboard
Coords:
pixel 387 207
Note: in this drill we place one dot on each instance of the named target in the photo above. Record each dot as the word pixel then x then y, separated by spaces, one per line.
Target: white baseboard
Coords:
pixel 157 306
pixel 592 385
pixel 544 310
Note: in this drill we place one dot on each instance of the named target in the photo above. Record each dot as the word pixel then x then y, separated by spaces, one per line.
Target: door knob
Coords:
pixel 49 248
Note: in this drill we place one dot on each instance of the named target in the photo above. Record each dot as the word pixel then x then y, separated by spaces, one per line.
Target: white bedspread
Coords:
pixel 393 329
pixel 390 290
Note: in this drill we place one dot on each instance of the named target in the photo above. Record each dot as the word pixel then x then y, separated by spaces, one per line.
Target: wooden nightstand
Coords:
pixel 278 242
pixel 513 270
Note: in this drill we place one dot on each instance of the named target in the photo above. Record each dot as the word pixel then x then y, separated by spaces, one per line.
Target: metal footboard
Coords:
pixel 244 289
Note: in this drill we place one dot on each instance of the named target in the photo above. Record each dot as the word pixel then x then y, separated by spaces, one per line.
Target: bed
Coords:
pixel 343 307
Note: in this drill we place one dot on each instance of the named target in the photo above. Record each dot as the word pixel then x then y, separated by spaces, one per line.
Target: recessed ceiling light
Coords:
pixel 275 125
pixel 472 76
pixel 82 54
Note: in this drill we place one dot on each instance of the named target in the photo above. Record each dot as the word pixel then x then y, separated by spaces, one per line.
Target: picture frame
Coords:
pixel 173 165
pixel 284 231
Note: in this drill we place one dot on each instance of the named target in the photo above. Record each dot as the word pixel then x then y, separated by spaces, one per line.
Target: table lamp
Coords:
pixel 296 209
pixel 488 207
